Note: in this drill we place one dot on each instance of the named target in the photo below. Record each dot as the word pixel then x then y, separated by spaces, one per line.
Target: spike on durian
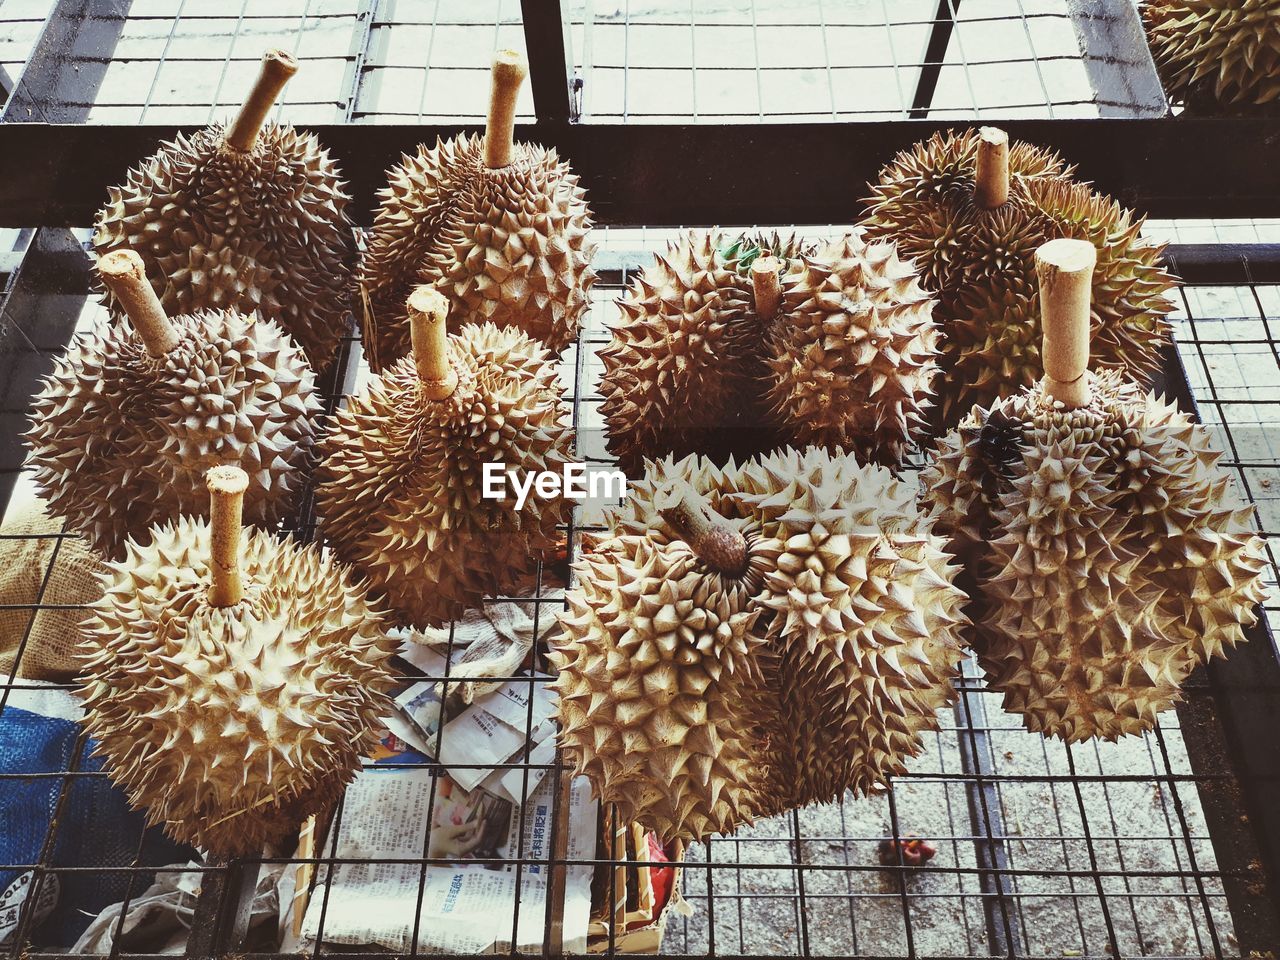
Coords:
pixel 1107 554
pixel 1213 55
pixel 247 704
pixel 937 201
pixel 401 477
pixel 698 690
pixel 250 217
pixel 735 347
pixel 501 228
pixel 124 427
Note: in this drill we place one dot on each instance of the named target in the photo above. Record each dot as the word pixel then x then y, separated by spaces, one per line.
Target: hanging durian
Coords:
pixel 1213 54
pixel 124 428
pixel 245 218
pixel 749 640
pixel 500 227
pixel 740 346
pixel 970 210
pixel 402 471
pixel 233 686
pixel 1106 551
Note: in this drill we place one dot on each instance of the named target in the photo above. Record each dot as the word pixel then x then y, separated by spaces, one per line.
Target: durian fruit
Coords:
pixel 124 428
pixel 245 218
pixel 728 349
pixel 501 228
pixel 402 476
pixel 970 209
pixel 233 685
pixel 1106 553
pixel 1212 54
pixel 746 640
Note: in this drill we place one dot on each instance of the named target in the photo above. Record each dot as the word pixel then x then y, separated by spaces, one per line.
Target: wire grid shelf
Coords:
pixel 1044 851
pixel 397 61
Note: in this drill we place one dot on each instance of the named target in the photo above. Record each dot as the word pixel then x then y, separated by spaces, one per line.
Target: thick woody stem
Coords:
pixel 991 178
pixel 277 67
pixel 766 286
pixel 126 277
pixel 428 316
pixel 509 70
pixel 226 504
pixel 1065 270
pixel 711 537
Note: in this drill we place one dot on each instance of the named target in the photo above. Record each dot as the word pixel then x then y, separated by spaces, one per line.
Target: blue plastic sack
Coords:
pixel 38 733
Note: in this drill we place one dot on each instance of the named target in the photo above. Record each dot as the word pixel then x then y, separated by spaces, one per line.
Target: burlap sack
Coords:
pixel 25 556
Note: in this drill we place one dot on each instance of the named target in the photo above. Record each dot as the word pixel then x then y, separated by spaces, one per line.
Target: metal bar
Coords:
pixel 669 175
pixel 548 46
pixel 935 54
pixel 68 63
pixel 1113 48
pixel 361 37
pixel 221 919
pixel 987 819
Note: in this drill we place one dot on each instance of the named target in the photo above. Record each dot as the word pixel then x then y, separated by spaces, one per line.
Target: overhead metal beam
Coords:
pixel 548 46
pixel 935 55
pixel 1114 51
pixel 678 174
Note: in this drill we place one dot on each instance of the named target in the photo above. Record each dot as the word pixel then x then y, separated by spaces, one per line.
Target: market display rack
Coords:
pixel 1086 876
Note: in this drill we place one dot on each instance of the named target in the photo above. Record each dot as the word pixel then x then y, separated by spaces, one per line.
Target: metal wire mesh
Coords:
pixel 1044 851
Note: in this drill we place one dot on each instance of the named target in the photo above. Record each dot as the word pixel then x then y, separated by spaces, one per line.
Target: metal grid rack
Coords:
pixel 1165 846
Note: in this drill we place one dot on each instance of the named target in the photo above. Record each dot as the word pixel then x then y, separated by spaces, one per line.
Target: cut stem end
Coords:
pixel 767 286
pixel 277 67
pixel 712 538
pixel 226 508
pixel 428 326
pixel 126 277
pixel 1065 271
pixel 509 70
pixel 991 177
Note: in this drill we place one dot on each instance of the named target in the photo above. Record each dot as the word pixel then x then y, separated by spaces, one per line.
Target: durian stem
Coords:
pixel 226 505
pixel 766 286
pixel 277 67
pixel 711 537
pixel 509 70
pixel 126 277
pixel 428 326
pixel 991 178
pixel 1065 270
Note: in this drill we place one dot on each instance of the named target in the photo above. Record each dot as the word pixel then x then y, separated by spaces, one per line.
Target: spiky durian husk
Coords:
pixel 982 263
pixel 1216 53
pixel 1107 553
pixel 400 479
pixel 120 441
pixel 508 245
pixel 847 363
pixel 850 637
pixel 262 230
pixel 231 725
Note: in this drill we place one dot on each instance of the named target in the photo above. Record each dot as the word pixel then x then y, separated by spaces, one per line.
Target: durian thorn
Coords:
pixel 711 537
pixel 428 327
pixel 1065 270
pixel 991 176
pixel 766 286
pixel 509 70
pixel 126 277
pixel 277 67
pixel 226 485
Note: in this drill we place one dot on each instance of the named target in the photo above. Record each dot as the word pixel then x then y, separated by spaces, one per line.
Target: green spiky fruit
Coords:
pixel 795 651
pixel 507 245
pixel 846 362
pixel 231 725
pixel 981 262
pixel 1213 54
pixel 1106 554
pixel 263 230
